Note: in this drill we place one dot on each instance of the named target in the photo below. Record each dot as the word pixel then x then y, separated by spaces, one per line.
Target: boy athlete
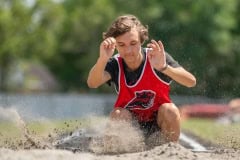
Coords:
pixel 142 77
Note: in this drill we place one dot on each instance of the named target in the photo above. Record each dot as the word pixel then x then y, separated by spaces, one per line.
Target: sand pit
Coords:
pixel 166 151
pixel 102 141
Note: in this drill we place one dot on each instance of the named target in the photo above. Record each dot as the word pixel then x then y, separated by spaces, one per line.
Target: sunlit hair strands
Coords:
pixel 124 24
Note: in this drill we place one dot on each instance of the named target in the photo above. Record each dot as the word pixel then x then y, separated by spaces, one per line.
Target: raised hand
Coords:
pixel 156 55
pixel 107 48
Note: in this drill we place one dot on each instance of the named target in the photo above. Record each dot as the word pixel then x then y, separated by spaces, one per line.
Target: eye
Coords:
pixel 133 43
pixel 120 44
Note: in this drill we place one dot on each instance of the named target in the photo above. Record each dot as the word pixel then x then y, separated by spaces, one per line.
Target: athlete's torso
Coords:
pixel 145 96
pixel 132 76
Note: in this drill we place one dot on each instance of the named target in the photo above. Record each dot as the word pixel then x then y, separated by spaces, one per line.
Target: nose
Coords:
pixel 129 50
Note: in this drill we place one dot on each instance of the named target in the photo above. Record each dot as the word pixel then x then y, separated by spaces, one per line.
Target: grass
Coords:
pixel 209 129
pixel 11 132
pixel 9 128
pixel 224 135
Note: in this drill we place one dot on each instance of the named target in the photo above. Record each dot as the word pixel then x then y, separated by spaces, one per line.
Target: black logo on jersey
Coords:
pixel 142 100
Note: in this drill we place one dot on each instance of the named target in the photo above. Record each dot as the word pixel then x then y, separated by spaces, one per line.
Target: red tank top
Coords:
pixel 145 96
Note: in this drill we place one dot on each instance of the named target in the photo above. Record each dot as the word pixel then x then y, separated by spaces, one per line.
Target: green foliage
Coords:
pixel 47 18
pixel 203 36
pixel 79 40
pixel 26 32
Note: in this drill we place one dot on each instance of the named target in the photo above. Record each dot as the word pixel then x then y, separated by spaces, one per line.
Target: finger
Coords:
pixel 161 45
pixel 113 42
pixel 107 43
pixel 156 45
pixel 151 46
pixel 150 49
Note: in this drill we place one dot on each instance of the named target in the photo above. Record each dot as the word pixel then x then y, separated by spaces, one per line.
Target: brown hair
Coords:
pixel 124 24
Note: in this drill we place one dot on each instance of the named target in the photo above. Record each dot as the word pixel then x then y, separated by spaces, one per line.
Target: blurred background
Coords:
pixel 47 48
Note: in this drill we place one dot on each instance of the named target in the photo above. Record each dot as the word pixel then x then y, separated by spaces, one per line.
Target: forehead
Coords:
pixel 132 35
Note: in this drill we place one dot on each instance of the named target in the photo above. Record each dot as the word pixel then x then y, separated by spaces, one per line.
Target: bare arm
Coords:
pixel 181 76
pixel 97 75
pixel 157 59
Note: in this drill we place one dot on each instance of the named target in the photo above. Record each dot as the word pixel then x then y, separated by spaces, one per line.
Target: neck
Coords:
pixel 134 65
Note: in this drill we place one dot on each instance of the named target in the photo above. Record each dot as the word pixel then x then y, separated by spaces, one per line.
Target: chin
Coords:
pixel 130 60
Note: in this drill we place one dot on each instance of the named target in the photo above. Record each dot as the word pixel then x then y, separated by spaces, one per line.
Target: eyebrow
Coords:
pixel 130 42
pixel 120 42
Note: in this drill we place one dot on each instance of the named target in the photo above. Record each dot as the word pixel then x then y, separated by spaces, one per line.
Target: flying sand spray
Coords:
pixel 11 115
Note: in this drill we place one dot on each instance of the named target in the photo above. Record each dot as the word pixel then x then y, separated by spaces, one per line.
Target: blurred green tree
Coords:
pixel 14 22
pixel 202 35
pixel 27 31
pixel 79 40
